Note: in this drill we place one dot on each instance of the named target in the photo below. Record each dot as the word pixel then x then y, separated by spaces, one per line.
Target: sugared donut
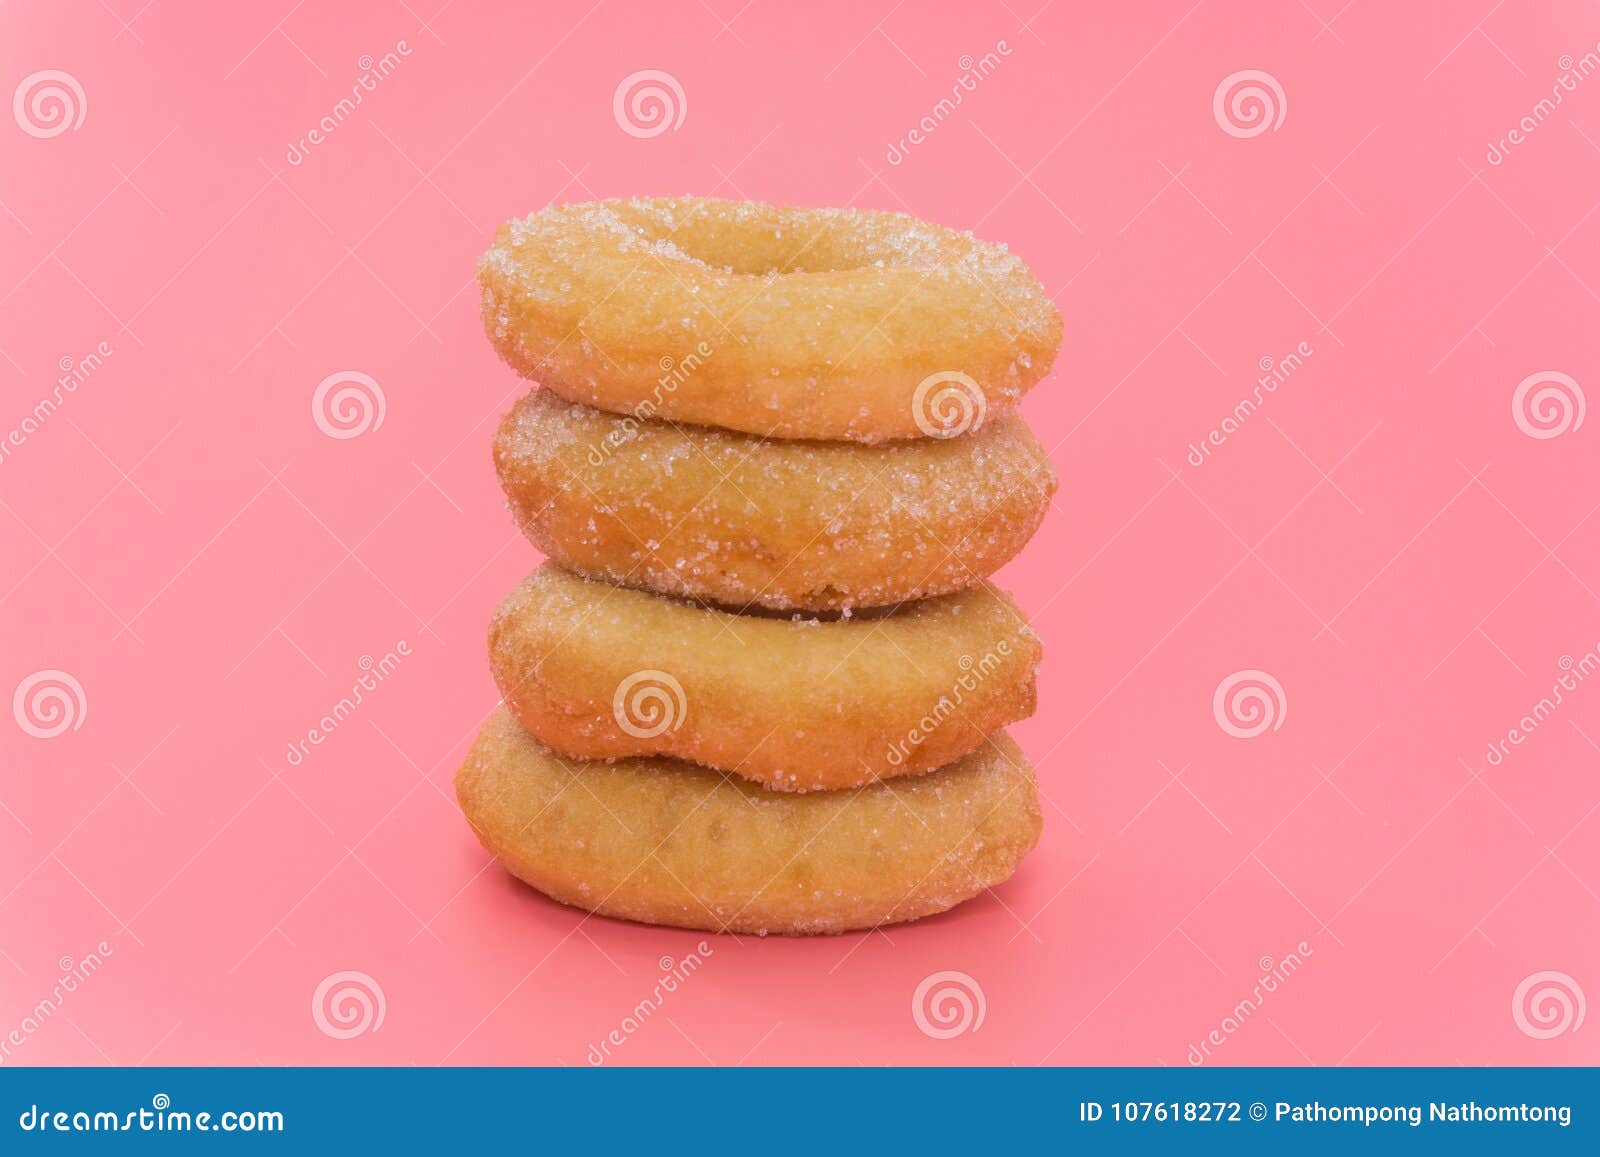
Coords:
pixel 783 322
pixel 596 671
pixel 742 521
pixel 665 842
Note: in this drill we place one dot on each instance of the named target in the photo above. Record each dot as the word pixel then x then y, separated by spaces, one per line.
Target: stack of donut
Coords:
pixel 772 458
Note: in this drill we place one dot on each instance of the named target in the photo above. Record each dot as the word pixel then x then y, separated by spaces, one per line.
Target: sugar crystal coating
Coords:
pixel 734 519
pixel 800 323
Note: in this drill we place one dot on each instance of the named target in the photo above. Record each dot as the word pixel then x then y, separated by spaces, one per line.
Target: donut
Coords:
pixel 743 521
pixel 783 322
pixel 596 671
pixel 665 842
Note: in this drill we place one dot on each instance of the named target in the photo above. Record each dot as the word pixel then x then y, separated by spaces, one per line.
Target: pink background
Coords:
pixel 1380 536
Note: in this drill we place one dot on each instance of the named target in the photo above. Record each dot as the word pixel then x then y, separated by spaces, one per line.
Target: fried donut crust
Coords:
pixel 789 525
pixel 596 671
pixel 664 842
pixel 783 322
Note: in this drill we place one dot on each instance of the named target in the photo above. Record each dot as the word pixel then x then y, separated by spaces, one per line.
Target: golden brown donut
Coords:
pixel 670 843
pixel 790 525
pixel 596 671
pixel 783 322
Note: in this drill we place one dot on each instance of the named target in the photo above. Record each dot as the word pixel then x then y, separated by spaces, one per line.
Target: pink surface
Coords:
pixel 1382 535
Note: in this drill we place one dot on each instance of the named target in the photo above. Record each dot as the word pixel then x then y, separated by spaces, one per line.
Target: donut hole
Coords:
pixel 728 237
